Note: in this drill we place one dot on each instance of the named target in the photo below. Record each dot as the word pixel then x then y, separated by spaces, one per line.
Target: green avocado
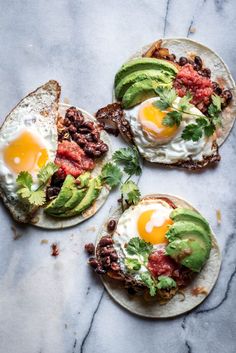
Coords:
pixel 190 231
pixel 83 180
pixel 63 196
pixel 161 76
pixel 139 92
pixel 94 188
pixel 189 252
pixel 144 64
pixel 185 214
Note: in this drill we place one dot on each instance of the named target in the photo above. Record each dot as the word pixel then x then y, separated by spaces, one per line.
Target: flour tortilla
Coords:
pixel 42 220
pixel 219 73
pixel 176 306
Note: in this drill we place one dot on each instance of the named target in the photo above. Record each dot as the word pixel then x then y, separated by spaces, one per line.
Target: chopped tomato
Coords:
pixel 189 80
pixel 71 159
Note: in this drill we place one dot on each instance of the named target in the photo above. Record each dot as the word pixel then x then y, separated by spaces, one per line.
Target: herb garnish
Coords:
pixel 203 124
pixel 141 250
pixel 25 182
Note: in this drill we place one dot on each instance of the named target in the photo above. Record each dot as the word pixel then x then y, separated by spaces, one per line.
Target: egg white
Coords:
pixel 127 228
pixel 172 151
pixel 44 132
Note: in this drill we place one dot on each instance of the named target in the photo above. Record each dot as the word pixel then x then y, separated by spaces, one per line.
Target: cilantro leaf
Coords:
pixel 137 246
pixel 165 282
pixel 24 179
pixel 172 118
pixel 37 197
pixel 209 129
pixel 192 132
pixel 24 192
pixel 132 264
pixel 167 97
pixel 111 174
pixel 216 101
pixel 130 192
pixel 46 172
pixel 184 103
pixel 149 282
pixel 129 157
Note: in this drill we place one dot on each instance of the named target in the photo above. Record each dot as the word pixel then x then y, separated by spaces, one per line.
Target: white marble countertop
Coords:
pixel 57 305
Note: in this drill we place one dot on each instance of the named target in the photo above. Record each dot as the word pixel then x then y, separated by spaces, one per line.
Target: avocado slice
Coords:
pixel 63 196
pixel 191 231
pixel 94 188
pixel 140 91
pixel 144 64
pixel 83 180
pixel 189 252
pixel 161 76
pixel 185 214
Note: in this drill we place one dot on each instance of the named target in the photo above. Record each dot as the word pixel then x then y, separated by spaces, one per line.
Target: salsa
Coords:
pixel 71 159
pixel 189 80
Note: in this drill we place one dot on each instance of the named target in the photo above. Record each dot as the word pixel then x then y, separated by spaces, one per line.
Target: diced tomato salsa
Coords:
pixel 189 80
pixel 71 159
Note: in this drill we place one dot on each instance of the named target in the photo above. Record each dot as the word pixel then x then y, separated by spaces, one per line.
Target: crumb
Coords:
pixel 16 234
pixel 91 229
pixel 44 241
pixel 192 30
pixel 199 290
pixel 55 249
pixel 66 326
pixel 218 216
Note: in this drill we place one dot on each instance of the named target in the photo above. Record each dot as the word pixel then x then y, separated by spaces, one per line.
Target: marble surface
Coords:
pixel 48 304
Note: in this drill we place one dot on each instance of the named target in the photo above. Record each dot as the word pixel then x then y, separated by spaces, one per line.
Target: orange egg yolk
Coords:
pixel 151 119
pixel 25 153
pixel 157 234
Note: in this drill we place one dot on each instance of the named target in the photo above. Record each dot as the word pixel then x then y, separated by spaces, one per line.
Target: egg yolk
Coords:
pixel 152 233
pixel 151 119
pixel 25 153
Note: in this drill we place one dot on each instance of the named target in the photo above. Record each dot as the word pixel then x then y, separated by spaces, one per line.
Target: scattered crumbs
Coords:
pixel 55 249
pixel 16 235
pixel 91 229
pixel 66 326
pixel 199 290
pixel 44 241
pixel 72 236
pixel 66 100
pixel 218 216
pixel 78 312
pixel 192 29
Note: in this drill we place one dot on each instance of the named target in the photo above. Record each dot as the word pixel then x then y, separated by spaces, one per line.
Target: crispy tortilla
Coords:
pixel 183 301
pixel 42 220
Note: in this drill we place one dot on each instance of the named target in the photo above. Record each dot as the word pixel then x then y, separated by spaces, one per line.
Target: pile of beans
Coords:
pixel 85 133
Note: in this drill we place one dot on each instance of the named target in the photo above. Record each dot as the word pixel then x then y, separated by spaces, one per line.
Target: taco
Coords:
pixel 157 259
pixel 51 160
pixel 177 101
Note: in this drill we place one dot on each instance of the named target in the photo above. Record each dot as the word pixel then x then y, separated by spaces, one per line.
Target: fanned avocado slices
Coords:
pixel 140 91
pixel 144 64
pixel 160 76
pixel 189 239
pixel 188 252
pixel 93 190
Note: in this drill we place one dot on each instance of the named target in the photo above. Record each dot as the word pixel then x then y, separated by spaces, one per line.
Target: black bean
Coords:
pixel 106 240
pixel 227 95
pixel 198 61
pixel 206 72
pixel 114 256
pixel 104 148
pixel 93 262
pixel 216 88
pixel 172 57
pixel 183 61
pixel 111 225
pixel 106 251
pixel 100 270
pixel 90 248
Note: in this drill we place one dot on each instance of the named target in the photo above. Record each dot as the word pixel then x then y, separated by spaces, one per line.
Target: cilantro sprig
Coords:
pixel 25 183
pixel 111 174
pixel 204 125
pixel 138 252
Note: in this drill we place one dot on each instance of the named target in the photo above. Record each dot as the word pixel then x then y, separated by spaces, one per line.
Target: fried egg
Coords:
pixel 28 141
pixel 149 220
pixel 164 144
